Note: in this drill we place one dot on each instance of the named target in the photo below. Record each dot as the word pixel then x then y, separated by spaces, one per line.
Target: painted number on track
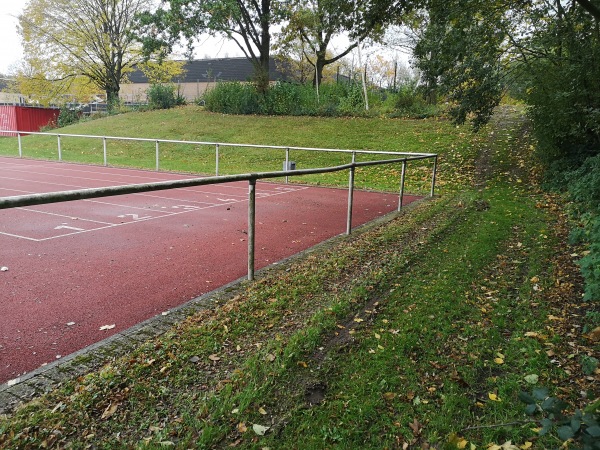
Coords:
pixel 134 216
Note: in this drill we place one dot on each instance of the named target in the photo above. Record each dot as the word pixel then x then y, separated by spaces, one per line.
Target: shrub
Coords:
pixel 67 116
pixel 584 189
pixel 232 98
pixel 164 96
pixel 333 99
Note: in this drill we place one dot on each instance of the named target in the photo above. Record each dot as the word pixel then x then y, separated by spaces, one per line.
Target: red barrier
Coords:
pixel 25 118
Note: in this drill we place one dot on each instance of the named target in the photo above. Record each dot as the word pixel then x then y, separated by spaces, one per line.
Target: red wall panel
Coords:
pixel 8 119
pixel 23 118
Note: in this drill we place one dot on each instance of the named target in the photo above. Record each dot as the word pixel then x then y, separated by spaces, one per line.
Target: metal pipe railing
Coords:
pixel 217 146
pixel 82 194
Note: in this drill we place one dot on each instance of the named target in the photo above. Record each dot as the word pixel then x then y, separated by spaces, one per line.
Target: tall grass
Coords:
pixel 330 100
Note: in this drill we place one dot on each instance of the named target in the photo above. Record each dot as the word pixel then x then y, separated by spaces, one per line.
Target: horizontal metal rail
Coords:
pixel 83 194
pixel 222 144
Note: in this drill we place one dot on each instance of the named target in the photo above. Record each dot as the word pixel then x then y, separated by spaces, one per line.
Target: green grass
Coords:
pixel 420 331
pixel 193 124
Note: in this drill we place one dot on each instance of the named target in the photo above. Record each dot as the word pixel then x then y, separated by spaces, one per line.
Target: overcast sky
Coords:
pixel 11 51
pixel 10 44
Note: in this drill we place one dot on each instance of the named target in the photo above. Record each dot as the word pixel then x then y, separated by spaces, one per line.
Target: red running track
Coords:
pixel 75 267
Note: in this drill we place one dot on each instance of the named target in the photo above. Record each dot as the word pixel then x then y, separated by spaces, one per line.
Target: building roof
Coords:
pixel 220 69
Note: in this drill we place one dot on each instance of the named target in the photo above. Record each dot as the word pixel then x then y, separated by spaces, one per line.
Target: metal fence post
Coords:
pixel 157 157
pixel 350 195
pixel 433 175
pixel 402 178
pixel 287 163
pixel 59 149
pixel 217 160
pixel 20 146
pixel 104 151
pixel 251 225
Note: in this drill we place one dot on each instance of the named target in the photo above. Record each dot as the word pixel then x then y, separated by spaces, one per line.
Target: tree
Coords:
pixel 471 49
pixel 316 22
pixel 460 54
pixel 66 39
pixel 247 22
pixel 33 83
pixel 161 71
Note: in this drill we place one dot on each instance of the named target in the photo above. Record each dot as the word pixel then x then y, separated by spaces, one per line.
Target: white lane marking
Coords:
pixel 110 225
pixel 64 215
pixel 64 226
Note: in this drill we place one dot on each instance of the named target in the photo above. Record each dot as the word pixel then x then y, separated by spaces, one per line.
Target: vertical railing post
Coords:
pixel 287 163
pixel 217 160
pixel 402 178
pixel 59 148
pixel 157 156
pixel 433 175
pixel 104 153
pixel 251 226
pixel 20 145
pixel 350 195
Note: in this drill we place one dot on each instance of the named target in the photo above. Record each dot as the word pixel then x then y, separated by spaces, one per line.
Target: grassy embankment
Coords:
pixel 192 124
pixel 417 333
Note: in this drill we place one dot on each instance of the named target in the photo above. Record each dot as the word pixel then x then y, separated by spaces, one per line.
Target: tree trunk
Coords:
pixel 112 95
pixel 262 70
pixel 320 64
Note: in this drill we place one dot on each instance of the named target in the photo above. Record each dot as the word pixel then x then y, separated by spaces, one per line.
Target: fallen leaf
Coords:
pixel 526 445
pixel 241 427
pixel 498 360
pixel 262 411
pixel 532 379
pixel 110 410
pixel 259 429
pixel 270 357
pixel 594 335
pixel 358 319
pixel 302 364
pixel 107 327
pixel 415 426
pixel 493 397
pixel 214 357
pixel 389 396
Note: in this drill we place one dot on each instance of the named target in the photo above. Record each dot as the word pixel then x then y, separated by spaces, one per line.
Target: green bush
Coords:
pixel 584 189
pixel 67 116
pixel 333 99
pixel 164 96
pixel 232 98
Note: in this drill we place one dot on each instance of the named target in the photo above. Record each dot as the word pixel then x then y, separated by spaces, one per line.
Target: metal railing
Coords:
pixel 82 194
pixel 217 146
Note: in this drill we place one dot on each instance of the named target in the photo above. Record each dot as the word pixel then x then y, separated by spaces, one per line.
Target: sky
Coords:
pixel 10 44
pixel 11 50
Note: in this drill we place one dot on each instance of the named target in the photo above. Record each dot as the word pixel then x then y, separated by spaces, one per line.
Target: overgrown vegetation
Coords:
pixel 331 99
pixel 164 96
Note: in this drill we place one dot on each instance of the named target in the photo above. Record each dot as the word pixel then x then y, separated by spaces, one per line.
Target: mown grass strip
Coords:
pixel 192 124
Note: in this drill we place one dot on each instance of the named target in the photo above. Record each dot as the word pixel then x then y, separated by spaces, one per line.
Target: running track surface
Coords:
pixel 77 266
